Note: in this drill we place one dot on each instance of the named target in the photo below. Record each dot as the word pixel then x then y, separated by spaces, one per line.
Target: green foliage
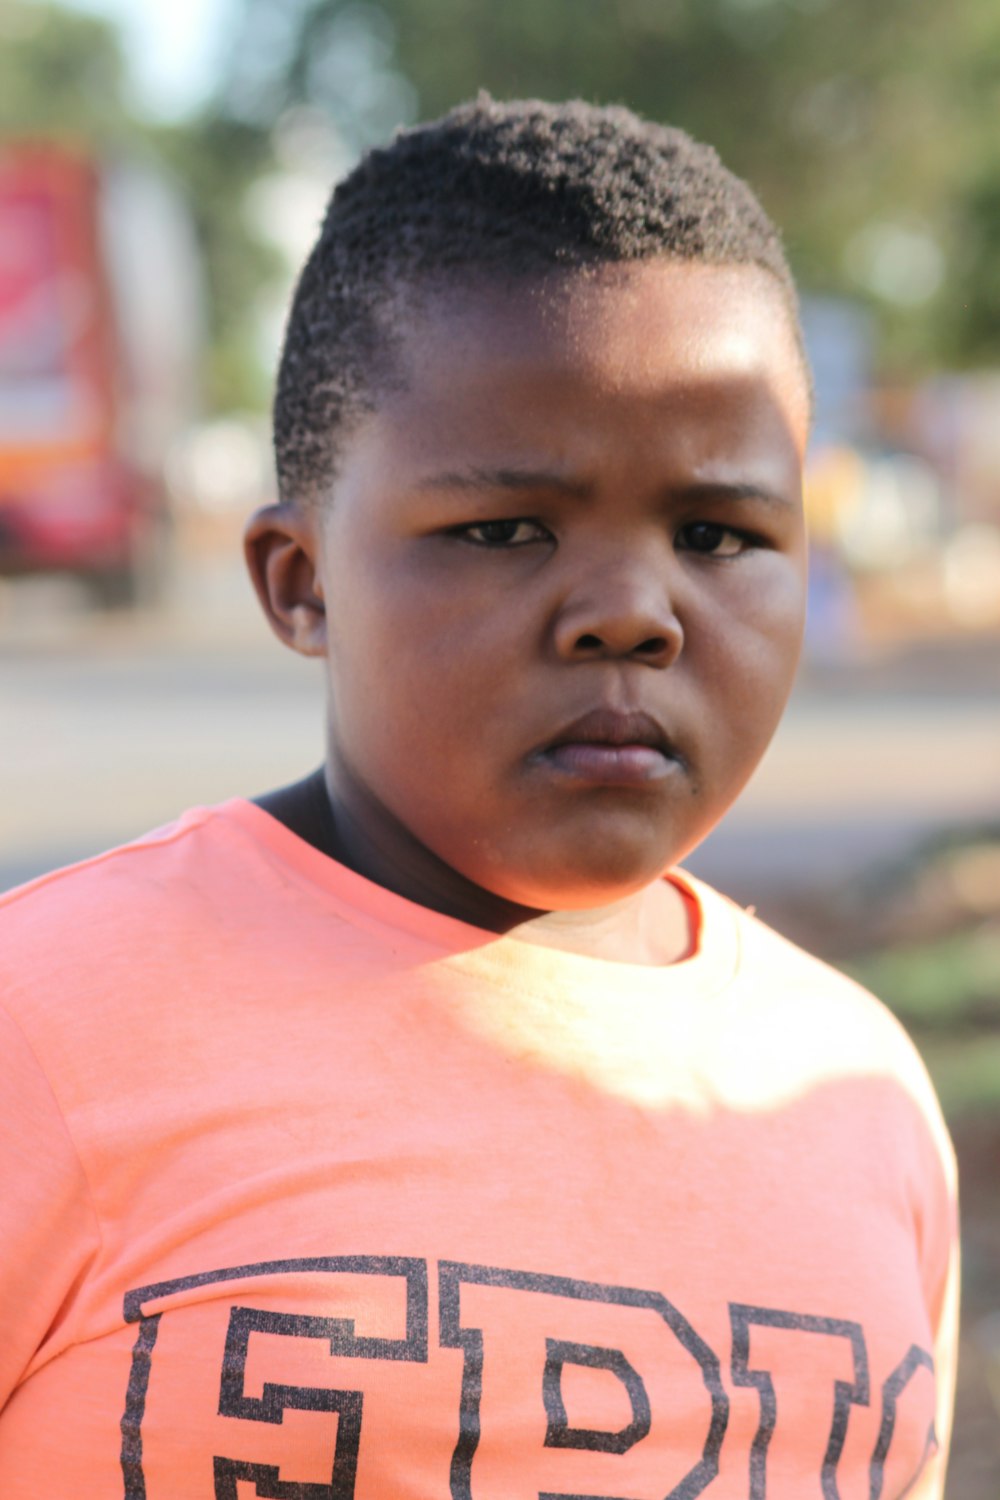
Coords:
pixel 939 985
pixel 61 73
pixel 845 116
pixel 972 329
pixel 965 1071
pixel 217 159
pixel 947 992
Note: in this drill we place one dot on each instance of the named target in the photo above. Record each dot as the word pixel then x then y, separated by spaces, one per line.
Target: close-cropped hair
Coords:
pixel 505 191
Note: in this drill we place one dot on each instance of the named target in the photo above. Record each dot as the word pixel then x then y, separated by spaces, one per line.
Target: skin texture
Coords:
pixel 584 493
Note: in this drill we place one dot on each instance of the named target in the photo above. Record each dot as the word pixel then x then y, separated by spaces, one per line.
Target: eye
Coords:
pixel 515 532
pixel 712 539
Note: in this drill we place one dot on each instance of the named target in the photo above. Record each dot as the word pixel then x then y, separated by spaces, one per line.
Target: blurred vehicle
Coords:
pixel 100 330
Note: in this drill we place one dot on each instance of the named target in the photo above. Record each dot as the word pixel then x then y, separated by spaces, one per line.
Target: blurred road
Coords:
pixel 111 725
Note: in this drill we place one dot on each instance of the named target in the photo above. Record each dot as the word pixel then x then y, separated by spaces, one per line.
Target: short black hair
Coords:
pixel 507 190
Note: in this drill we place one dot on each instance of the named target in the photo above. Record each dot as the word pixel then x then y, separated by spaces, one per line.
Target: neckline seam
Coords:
pixel 327 877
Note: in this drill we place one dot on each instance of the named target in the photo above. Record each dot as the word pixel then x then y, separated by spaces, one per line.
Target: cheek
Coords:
pixel 770 600
pixel 410 659
pixel 777 615
pixel 752 648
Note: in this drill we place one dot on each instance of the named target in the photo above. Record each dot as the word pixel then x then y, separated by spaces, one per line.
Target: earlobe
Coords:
pixel 280 544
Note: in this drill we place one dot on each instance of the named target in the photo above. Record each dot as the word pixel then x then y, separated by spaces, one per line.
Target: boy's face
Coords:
pixel 583 500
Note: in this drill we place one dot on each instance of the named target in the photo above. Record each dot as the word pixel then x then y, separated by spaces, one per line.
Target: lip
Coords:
pixel 613 748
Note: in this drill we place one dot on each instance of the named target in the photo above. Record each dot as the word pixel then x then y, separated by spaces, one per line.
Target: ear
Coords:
pixel 281 545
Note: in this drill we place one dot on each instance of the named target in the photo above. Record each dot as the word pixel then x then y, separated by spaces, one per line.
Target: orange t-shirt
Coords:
pixel 310 1193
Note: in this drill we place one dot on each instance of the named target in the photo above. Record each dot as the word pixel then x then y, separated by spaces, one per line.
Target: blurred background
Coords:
pixel 163 168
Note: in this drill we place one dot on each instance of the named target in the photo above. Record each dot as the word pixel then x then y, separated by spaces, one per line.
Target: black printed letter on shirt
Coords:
pixel 504 1300
pixel 845 1394
pixel 267 1334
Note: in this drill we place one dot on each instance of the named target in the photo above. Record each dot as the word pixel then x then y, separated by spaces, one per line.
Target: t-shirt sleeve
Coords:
pixel 938 1234
pixel 944 1312
pixel 48 1230
pixel 946 1362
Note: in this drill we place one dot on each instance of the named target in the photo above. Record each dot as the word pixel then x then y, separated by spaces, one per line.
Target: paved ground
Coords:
pixel 110 725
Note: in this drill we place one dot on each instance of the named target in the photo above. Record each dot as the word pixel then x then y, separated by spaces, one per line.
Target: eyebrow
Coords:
pixel 735 490
pixel 511 480
pixel 515 481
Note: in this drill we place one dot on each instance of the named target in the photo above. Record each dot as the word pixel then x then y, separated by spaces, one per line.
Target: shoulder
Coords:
pixel 800 1025
pixel 73 888
pixel 64 932
pixel 780 973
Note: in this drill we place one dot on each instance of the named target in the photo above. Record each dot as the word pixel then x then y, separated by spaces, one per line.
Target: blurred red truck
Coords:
pixel 99 334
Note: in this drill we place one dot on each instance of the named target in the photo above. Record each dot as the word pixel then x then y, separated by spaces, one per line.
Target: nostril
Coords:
pixel 589 642
pixel 655 646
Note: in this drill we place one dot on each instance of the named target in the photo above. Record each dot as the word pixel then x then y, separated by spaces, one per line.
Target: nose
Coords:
pixel 622 609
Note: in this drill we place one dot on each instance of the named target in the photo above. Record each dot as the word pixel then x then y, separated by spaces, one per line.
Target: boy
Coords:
pixel 420 1130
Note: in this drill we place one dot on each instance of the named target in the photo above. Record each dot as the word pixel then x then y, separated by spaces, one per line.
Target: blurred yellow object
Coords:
pixel 833 490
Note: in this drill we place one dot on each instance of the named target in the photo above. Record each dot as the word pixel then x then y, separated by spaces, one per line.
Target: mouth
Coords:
pixel 613 748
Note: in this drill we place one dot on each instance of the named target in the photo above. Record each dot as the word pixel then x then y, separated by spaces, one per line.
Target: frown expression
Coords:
pixel 563 573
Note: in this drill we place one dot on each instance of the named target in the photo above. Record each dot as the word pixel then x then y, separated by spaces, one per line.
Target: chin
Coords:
pixel 584 884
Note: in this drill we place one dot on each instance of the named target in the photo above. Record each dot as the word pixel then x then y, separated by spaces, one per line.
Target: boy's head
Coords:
pixel 490 192
pixel 540 426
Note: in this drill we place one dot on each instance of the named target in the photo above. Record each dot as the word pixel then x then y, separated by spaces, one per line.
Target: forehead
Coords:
pixel 650 355
pixel 659 320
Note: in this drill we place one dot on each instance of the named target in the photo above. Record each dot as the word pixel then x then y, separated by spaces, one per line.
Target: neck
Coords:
pixel 651 926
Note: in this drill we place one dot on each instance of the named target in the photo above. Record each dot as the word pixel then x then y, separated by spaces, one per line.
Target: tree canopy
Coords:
pixel 868 130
